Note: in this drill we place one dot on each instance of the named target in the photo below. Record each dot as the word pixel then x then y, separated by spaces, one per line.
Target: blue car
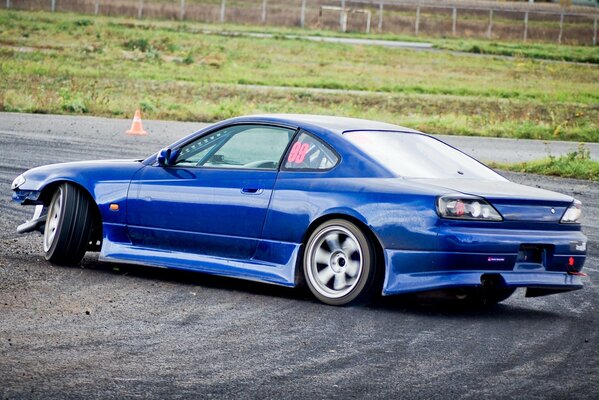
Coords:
pixel 351 208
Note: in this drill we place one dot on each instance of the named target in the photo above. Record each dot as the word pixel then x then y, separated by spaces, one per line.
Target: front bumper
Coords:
pixel 36 223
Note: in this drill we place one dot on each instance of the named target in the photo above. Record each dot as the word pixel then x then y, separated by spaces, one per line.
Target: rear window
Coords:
pixel 413 155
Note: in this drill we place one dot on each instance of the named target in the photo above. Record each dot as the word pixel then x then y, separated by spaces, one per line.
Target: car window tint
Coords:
pixel 308 152
pixel 412 155
pixel 194 152
pixel 241 146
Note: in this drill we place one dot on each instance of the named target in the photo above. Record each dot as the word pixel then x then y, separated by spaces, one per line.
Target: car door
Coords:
pixel 214 197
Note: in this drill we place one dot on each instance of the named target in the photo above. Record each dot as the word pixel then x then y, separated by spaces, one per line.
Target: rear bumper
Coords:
pixel 421 282
pixel 468 255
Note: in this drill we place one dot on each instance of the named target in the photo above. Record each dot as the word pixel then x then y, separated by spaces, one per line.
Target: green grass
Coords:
pixel 585 54
pixel 68 63
pixel 576 164
pixel 541 51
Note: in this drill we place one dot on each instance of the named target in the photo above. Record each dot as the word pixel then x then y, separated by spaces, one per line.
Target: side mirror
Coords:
pixel 166 157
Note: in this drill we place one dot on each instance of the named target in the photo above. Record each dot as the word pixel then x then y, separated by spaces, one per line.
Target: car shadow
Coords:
pixel 452 309
pixel 405 304
pixel 192 278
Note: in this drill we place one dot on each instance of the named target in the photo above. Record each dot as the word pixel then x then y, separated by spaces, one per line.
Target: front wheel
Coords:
pixel 68 225
pixel 340 264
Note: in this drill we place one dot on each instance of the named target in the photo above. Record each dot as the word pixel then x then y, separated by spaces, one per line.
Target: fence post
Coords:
pixel 223 7
pixel 303 14
pixel 525 26
pixel 7 4
pixel 53 5
pixel 454 20
pixel 140 9
pixel 368 17
pixel 182 10
pixel 263 11
pixel 595 31
pixel 97 7
pixel 381 16
pixel 342 17
pixel 417 25
pixel 490 28
pixel 561 28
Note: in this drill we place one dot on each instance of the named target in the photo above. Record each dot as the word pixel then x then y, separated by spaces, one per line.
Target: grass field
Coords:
pixel 536 50
pixel 67 63
pixel 576 164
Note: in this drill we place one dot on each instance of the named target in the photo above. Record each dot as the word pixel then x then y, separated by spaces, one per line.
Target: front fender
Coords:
pixel 107 182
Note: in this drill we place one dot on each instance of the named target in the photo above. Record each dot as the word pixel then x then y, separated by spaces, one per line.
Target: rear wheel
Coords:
pixel 339 264
pixel 68 225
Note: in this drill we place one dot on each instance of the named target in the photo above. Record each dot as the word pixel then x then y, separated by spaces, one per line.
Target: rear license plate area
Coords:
pixel 534 254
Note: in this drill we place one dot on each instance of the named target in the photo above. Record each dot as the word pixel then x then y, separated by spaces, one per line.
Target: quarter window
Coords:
pixel 240 146
pixel 310 153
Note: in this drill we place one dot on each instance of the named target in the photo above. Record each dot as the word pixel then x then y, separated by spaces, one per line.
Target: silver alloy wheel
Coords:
pixel 335 261
pixel 53 219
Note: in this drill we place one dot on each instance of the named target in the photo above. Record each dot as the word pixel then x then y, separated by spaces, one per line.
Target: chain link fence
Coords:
pixel 470 19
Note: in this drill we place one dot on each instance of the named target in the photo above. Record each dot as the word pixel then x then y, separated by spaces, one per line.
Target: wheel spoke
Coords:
pixel 322 256
pixel 349 247
pixel 339 281
pixel 334 270
pixel 333 242
pixel 352 268
pixel 325 275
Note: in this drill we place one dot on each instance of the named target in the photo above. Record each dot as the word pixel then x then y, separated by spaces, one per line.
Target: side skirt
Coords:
pixel 255 270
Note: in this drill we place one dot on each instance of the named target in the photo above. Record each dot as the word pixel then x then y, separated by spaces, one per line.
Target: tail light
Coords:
pixel 467 208
pixel 573 213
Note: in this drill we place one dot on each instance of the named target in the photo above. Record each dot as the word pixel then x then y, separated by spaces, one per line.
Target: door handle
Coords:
pixel 252 191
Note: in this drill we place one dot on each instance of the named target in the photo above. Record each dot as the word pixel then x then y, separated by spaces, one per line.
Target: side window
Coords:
pixel 193 153
pixel 241 146
pixel 308 152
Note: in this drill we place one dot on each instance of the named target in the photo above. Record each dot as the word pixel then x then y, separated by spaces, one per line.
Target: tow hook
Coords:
pixel 577 273
pixel 570 269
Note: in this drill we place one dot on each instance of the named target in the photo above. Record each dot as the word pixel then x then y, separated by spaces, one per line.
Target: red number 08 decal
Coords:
pixel 298 153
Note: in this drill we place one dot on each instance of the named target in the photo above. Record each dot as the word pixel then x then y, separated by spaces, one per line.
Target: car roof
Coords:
pixel 333 124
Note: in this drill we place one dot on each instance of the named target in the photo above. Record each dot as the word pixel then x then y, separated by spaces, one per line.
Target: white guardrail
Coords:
pixel 345 8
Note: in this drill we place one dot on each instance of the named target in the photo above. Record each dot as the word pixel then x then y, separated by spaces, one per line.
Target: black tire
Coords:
pixel 340 271
pixel 68 225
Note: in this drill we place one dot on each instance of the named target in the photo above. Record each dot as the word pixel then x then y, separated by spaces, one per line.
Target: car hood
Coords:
pixel 512 200
pixel 83 172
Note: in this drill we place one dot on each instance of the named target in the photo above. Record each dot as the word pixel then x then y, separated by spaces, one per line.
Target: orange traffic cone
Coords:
pixel 136 126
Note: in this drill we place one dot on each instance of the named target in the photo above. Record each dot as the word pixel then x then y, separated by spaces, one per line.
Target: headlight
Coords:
pixel 572 214
pixel 19 180
pixel 466 207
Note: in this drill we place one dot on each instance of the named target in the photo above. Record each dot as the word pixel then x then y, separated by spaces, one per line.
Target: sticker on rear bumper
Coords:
pixel 578 246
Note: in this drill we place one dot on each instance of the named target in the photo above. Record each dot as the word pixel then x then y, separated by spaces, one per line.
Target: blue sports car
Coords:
pixel 349 207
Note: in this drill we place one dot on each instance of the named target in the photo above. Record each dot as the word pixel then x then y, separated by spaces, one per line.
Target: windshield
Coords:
pixel 413 155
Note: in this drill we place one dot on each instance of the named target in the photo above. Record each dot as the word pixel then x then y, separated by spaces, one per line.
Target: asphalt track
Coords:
pixel 111 331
